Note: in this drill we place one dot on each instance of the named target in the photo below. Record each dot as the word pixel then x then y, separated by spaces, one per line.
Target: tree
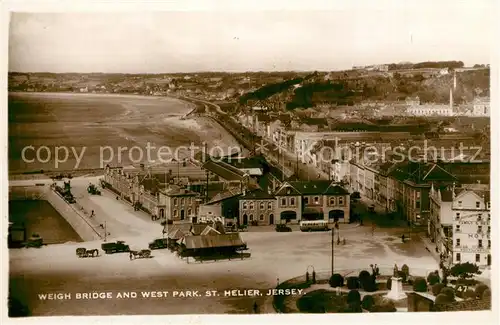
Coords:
pixel 449 293
pixel 433 278
pixel 367 302
pixel 464 270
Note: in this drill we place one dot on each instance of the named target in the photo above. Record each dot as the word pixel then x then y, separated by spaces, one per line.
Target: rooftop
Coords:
pixel 257 194
pixel 322 187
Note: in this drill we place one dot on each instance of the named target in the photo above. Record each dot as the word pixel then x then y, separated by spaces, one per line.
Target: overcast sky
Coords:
pixel 158 42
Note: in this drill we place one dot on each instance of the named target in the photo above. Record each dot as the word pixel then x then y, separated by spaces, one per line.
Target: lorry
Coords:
pixel 115 247
pixel 158 243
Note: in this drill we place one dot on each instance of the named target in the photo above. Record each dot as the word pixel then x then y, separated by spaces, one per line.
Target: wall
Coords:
pixel 74 218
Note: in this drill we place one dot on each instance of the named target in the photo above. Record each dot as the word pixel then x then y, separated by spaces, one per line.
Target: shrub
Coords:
pixel 354 298
pixel 367 302
pixel 389 284
pixel 449 292
pixel 410 280
pixel 406 270
pixel 433 278
pixel 385 306
pixel 486 294
pixel 480 288
pixel 420 285
pixel 469 294
pixel 402 275
pixel 367 281
pixel 364 275
pixel 352 282
pixel 336 280
pixel 442 299
pixel 436 289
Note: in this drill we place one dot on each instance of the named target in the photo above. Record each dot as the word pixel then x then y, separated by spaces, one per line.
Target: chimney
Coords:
pixel 451 98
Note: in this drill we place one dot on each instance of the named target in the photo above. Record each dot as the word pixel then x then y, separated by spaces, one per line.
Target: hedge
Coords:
pixel 480 288
pixel 442 299
pixel 433 278
pixel 486 294
pixel 449 292
pixel 420 285
pixel 336 280
pixel 436 289
pixel 470 294
pixel 367 302
pixel 353 297
pixel 353 282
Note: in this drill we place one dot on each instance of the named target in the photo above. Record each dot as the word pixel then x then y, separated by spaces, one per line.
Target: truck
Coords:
pixel 158 243
pixel 115 247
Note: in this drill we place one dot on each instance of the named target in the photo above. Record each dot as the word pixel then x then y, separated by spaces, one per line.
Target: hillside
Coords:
pixel 352 87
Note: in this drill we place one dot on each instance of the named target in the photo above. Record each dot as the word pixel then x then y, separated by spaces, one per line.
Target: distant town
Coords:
pixel 301 130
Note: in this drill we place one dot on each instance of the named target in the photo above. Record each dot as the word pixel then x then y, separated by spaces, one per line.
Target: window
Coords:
pixel 190 212
pixel 459 204
pixel 457 216
pixel 479 228
pixel 316 200
pixel 478 258
pixel 251 205
pixel 489 229
pixel 417 205
pixel 489 217
pixel 175 213
pixel 458 242
pixel 458 257
pixel 479 217
pixel 175 201
pixel 341 200
pixel 262 206
pixel 251 217
pixel 245 205
pixel 292 201
pixel 182 201
pixel 270 205
pixel 480 243
pixel 477 204
pixel 489 243
pixel 457 228
pixel 283 202
pixel 261 217
pixel 306 200
pixel 332 201
pixel 488 205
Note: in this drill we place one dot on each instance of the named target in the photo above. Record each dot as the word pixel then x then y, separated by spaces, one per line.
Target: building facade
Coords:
pixel 257 207
pixel 312 200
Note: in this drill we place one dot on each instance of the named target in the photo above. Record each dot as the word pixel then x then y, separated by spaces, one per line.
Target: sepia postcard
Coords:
pixel 220 160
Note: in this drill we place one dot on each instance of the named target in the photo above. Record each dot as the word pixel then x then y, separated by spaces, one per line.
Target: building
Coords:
pixel 481 107
pixel 178 203
pixel 430 110
pixel 257 207
pixel 224 205
pixel 460 225
pixel 312 200
pixel 471 227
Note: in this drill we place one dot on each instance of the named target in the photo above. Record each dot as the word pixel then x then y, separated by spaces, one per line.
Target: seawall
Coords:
pixel 74 218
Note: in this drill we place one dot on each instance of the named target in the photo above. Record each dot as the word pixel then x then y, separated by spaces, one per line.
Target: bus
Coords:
pixel 314 225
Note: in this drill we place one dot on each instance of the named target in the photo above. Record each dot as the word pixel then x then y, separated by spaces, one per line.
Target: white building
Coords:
pixel 460 225
pixel 430 110
pixel 481 107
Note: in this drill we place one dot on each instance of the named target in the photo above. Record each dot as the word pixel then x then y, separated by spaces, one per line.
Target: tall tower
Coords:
pixel 451 98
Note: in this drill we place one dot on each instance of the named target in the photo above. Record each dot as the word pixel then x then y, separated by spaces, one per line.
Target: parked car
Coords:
pixel 283 228
pixel 116 247
pixel 159 243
